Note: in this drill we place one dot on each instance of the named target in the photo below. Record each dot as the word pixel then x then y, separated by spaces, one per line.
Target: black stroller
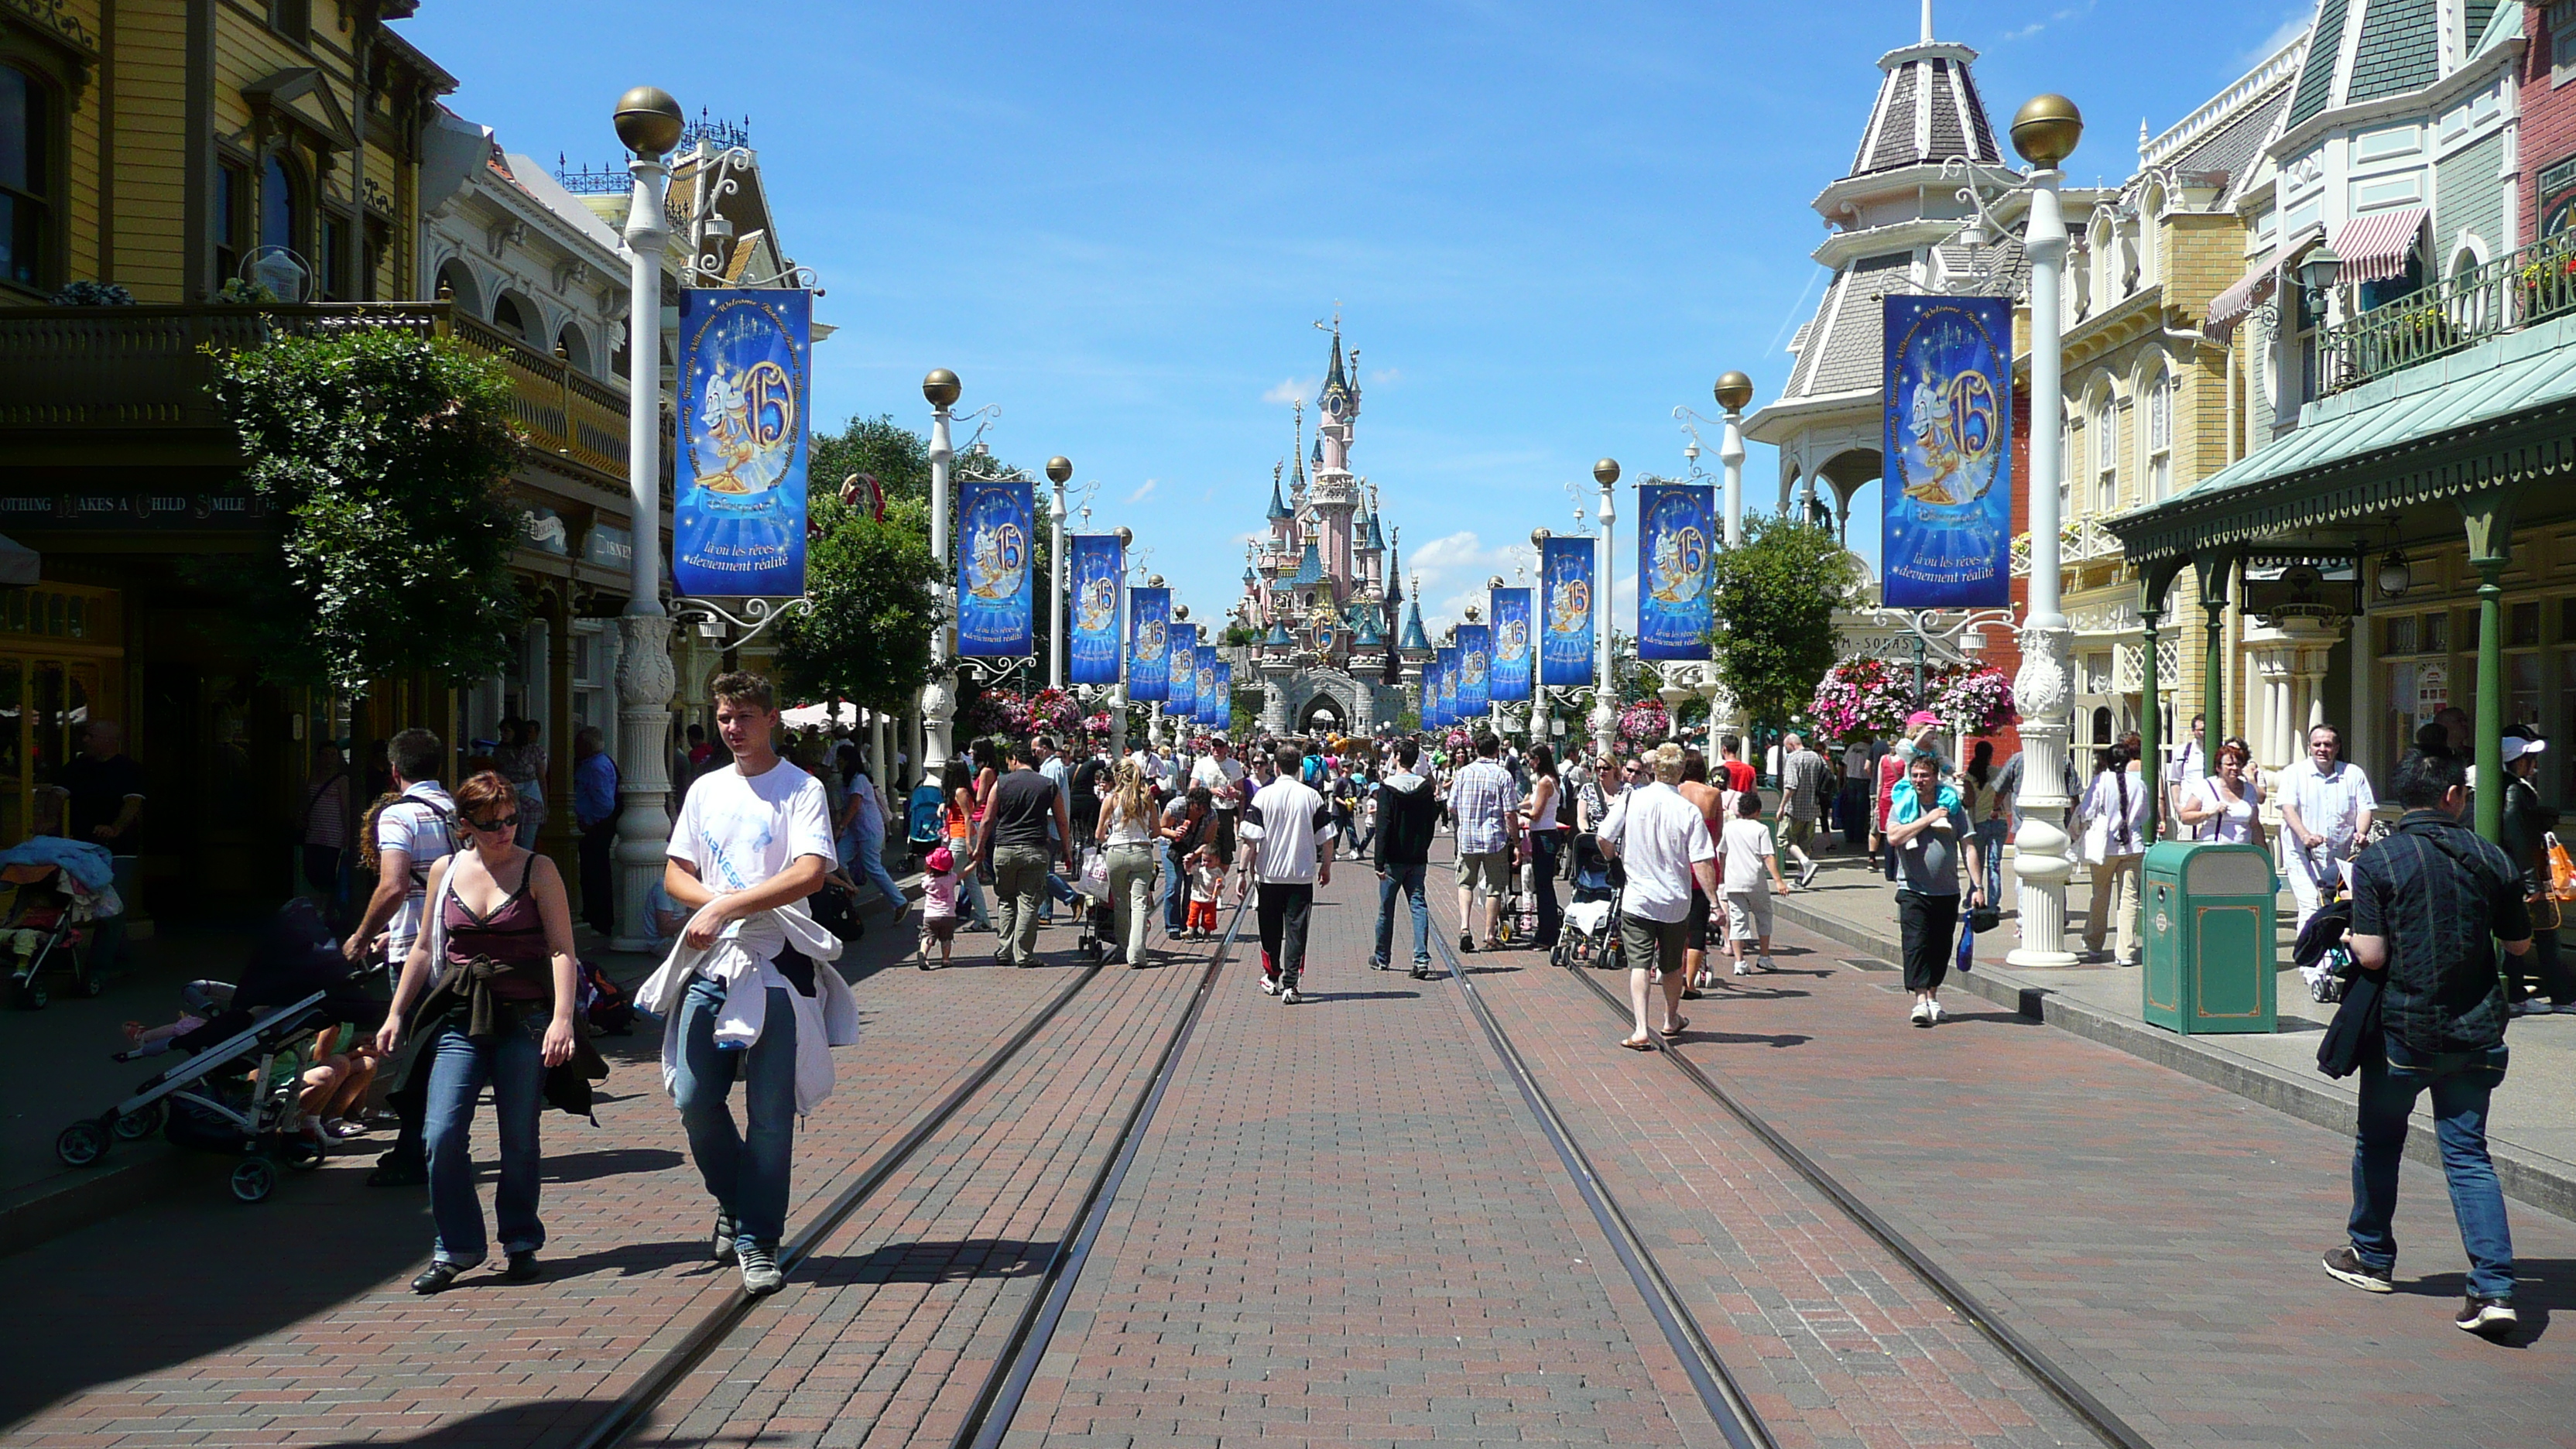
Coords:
pixel 237 1093
pixel 1590 935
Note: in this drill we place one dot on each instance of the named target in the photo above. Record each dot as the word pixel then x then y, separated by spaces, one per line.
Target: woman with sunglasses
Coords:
pixel 497 936
pixel 2228 804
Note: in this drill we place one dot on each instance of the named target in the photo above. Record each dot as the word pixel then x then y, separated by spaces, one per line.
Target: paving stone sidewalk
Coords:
pixel 1343 1227
pixel 195 1319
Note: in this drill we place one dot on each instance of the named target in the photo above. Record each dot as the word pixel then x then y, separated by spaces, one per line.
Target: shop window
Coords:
pixel 2523 628
pixel 2397 634
pixel 27 181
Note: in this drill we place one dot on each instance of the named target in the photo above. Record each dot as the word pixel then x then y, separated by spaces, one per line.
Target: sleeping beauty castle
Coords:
pixel 1322 591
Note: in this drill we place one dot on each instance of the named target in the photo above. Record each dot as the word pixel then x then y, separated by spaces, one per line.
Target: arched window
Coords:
pixel 2160 405
pixel 27 183
pixel 2106 459
pixel 507 315
pixel 281 207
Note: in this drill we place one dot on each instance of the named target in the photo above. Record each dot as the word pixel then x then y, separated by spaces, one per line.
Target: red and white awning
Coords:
pixel 2231 306
pixel 2374 248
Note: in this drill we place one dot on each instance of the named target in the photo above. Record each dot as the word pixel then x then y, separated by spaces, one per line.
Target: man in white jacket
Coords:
pixel 751 842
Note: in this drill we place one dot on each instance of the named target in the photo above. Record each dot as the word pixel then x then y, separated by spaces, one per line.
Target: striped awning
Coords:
pixel 2374 248
pixel 2231 306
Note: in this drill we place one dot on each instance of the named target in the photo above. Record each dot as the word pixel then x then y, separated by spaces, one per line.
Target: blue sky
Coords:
pixel 1545 224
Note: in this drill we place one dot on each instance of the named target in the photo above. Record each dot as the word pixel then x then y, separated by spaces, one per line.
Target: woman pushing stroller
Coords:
pixel 496 941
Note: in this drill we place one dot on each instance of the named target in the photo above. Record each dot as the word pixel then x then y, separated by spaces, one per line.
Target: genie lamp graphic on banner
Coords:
pixel 1099 577
pixel 1565 611
pixel 1509 674
pixel 1947 542
pixel 1183 702
pixel 1676 579
pixel 996 586
pixel 1475 661
pixel 738 473
pixel 1149 644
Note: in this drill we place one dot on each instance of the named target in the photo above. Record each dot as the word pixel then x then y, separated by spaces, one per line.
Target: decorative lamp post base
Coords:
pixel 645 680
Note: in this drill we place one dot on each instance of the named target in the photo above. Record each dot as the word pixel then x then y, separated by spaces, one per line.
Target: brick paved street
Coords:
pixel 2152 1234
pixel 198 1320
pixel 1344 1226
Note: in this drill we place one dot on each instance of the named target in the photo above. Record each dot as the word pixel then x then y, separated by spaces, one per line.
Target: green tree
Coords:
pixel 1775 599
pixel 389 457
pixel 868 637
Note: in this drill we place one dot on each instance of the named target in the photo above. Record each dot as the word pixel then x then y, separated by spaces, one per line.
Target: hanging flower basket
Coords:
pixel 1974 701
pixel 1861 697
pixel 1644 723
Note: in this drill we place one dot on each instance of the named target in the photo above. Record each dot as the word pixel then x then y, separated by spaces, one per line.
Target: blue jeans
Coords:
pixel 1408 879
pixel 2461 1083
pixel 1990 844
pixel 1176 894
pixel 746 1171
pixel 513 1063
pixel 867 849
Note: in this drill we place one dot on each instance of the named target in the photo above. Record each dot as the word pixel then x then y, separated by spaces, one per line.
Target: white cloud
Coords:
pixel 1144 490
pixel 1290 390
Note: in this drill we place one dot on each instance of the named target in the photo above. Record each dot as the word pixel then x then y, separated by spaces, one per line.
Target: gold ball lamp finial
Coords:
pixel 1733 391
pixel 2046 129
pixel 648 121
pixel 1606 472
pixel 941 387
pixel 1059 468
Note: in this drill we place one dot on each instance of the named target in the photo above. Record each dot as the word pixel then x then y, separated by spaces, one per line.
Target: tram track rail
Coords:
pixel 2087 1409
pixel 632 1409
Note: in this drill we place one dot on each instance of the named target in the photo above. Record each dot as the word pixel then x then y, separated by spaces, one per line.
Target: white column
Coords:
pixel 645 677
pixel 2042 687
pixel 939 696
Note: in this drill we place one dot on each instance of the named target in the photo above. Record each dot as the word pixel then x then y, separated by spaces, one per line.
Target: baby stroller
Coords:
pixel 56 889
pixel 1590 934
pixel 2321 953
pixel 237 1092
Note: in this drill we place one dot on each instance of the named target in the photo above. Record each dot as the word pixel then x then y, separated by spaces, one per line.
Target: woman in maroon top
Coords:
pixel 498 938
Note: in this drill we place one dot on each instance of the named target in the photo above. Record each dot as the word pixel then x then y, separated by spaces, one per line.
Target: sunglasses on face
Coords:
pixel 506 822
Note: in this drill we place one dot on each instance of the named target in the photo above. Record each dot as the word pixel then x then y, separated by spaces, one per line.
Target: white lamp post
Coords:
pixel 1605 699
pixel 648 123
pixel 2044 131
pixel 1059 468
pixel 939 697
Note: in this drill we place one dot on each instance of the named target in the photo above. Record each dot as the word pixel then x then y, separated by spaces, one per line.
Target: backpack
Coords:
pixel 925 822
pixel 604 1003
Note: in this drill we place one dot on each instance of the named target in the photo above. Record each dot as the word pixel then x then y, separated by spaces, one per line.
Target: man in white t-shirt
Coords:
pixel 1291 850
pixel 1664 841
pixel 412 834
pixel 751 837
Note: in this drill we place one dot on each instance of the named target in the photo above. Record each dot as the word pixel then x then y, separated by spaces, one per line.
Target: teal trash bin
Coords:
pixel 2207 910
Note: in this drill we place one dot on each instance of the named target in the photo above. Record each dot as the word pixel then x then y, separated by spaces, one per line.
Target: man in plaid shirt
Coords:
pixel 1485 805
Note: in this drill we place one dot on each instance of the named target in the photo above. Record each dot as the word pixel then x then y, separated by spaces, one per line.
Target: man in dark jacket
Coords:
pixel 2429 905
pixel 2527 824
pixel 1407 811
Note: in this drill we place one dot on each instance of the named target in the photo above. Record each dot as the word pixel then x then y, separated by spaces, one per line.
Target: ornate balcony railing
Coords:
pixel 2530 285
pixel 77 376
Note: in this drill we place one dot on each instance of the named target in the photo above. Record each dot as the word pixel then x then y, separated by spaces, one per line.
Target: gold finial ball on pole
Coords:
pixel 1606 472
pixel 1733 391
pixel 940 387
pixel 648 121
pixel 2046 129
pixel 1059 468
